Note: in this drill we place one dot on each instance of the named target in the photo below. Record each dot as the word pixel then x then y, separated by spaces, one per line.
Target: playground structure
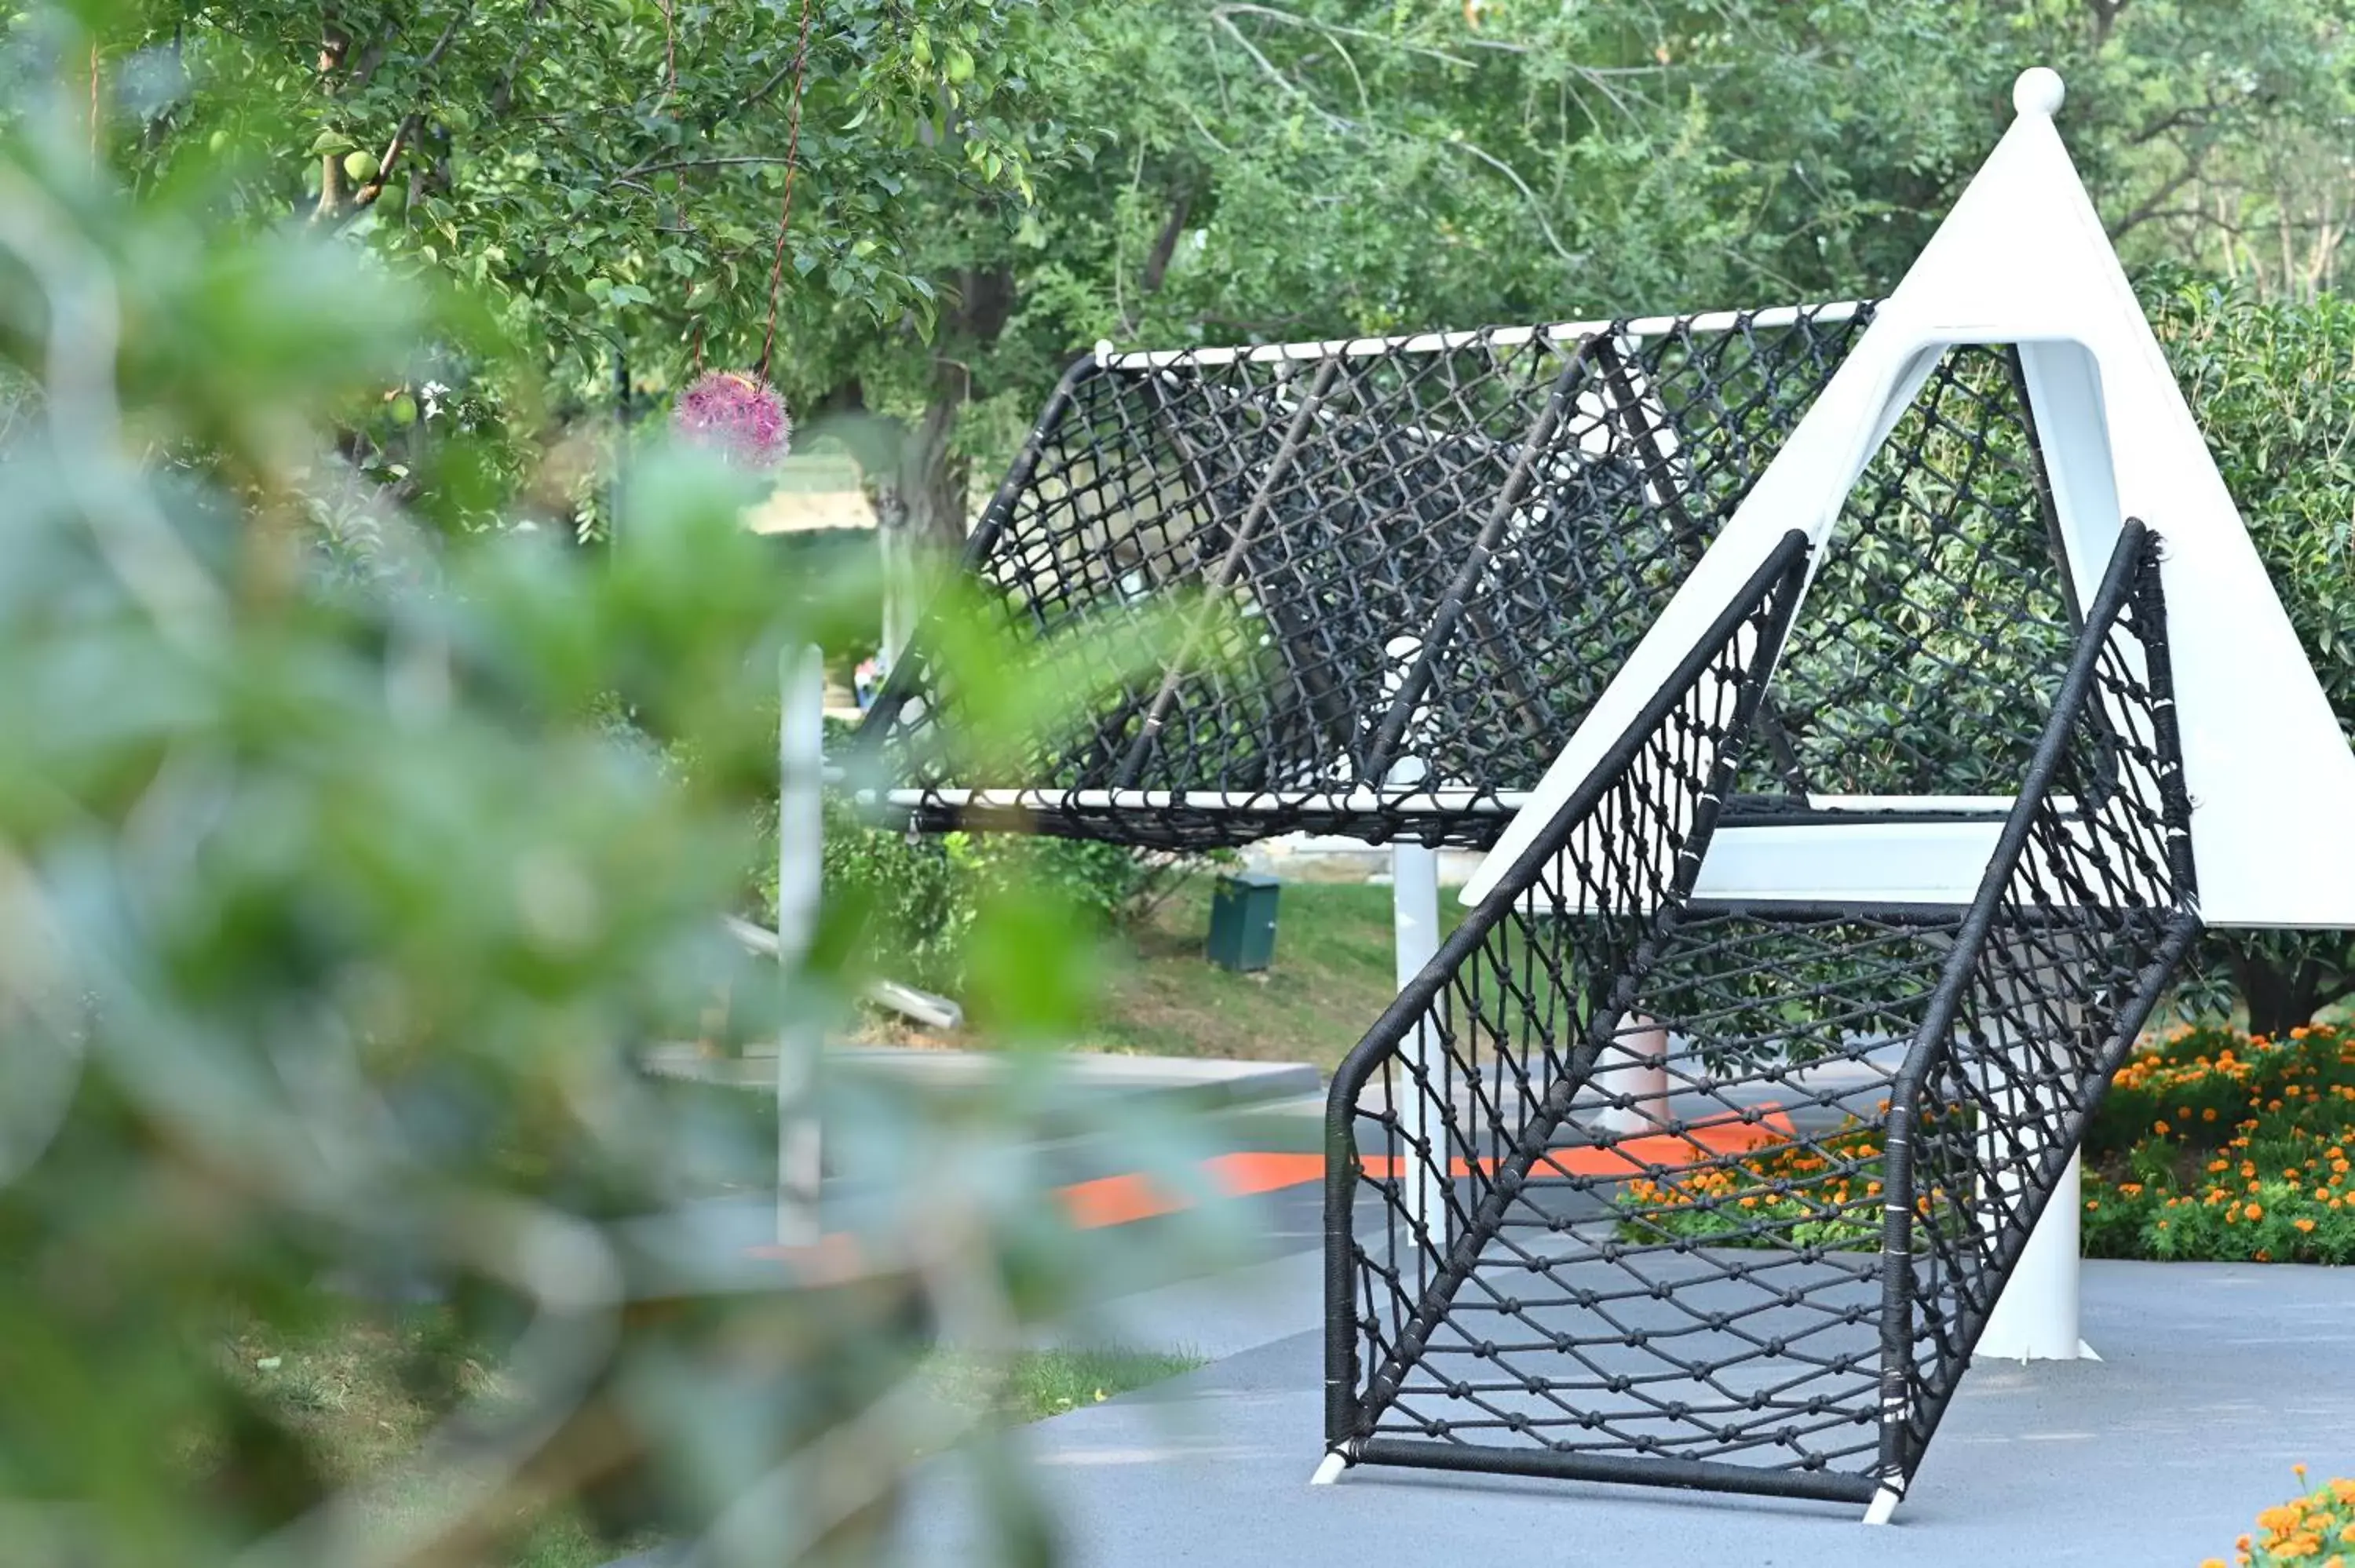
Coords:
pixel 1867 705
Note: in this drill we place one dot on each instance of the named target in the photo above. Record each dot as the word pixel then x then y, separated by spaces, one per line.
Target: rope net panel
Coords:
pixel 1943 598
pixel 1630 1186
pixel 1379 583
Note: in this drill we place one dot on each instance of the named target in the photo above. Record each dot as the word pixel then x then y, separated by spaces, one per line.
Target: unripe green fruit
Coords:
pixel 216 141
pixel 404 409
pixel 360 168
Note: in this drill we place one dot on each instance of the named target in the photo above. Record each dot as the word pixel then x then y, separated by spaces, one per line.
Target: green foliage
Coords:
pixel 339 903
pixel 915 902
pixel 2271 388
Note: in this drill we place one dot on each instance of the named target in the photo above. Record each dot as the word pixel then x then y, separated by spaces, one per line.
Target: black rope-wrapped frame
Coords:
pixel 1770 1279
pixel 1380 581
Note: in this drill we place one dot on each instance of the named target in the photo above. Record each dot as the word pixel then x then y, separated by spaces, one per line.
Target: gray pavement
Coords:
pixel 2218 1377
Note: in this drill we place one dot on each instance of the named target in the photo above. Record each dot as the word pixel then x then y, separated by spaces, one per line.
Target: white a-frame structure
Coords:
pixel 2023 260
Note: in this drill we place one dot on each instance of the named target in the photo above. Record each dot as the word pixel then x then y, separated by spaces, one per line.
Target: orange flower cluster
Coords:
pixel 2316 1531
pixel 1826 1193
pixel 2237 1148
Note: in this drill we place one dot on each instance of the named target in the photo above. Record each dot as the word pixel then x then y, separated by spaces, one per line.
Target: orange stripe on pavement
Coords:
pixel 1126 1199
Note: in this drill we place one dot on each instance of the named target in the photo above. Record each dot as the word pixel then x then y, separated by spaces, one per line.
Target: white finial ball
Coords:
pixel 2039 91
pixel 1103 350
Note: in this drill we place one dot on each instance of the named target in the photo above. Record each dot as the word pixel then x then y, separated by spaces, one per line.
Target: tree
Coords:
pixel 2268 382
pixel 1336 167
pixel 315 993
pixel 609 179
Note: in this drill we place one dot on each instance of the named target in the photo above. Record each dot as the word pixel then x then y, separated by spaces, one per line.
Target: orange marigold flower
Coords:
pixel 2159 1127
pixel 2208 1114
pixel 2254 1211
pixel 2305 1225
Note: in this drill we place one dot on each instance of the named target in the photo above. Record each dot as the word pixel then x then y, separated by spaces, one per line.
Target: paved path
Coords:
pixel 2219 1378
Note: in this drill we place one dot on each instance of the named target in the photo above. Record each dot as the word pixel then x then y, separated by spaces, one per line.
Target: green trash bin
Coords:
pixel 1242 921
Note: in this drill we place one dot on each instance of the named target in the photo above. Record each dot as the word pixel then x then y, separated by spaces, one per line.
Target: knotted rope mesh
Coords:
pixel 1380 582
pixel 1634 1186
pixel 1371 588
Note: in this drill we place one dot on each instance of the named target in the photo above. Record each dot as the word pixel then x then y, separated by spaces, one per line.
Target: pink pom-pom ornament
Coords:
pixel 737 414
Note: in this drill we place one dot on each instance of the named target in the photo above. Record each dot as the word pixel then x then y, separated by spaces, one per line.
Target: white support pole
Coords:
pixel 2035 1318
pixel 1414 931
pixel 801 830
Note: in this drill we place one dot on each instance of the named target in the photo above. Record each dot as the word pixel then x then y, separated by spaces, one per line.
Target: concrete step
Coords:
pixel 1195 1081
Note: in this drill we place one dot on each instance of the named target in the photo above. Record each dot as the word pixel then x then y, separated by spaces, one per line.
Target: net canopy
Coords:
pixel 1382 580
pixel 1381 583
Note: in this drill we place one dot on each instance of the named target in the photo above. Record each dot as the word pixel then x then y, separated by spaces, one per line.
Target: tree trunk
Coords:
pixel 921 518
pixel 2279 997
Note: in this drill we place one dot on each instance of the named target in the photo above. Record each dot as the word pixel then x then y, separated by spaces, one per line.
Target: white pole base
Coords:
pixel 1329 1471
pixel 1883 1507
pixel 2035 1319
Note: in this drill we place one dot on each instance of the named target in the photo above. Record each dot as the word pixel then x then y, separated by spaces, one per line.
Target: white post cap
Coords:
pixel 2039 91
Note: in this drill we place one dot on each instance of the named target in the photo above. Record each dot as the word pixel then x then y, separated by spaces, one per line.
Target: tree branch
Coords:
pixel 2152 206
pixel 666 167
pixel 1267 68
pixel 1537 209
pixel 1336 30
pixel 367 194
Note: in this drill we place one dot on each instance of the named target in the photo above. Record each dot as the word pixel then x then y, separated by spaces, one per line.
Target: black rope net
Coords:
pixel 1365 588
pixel 1634 1186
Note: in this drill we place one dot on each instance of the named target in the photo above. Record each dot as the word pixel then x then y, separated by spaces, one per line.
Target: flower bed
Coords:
pixel 2316 1531
pixel 2210 1145
pixel 2218 1145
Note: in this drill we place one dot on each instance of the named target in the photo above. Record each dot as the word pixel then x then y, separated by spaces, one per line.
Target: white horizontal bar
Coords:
pixel 1866 863
pixel 1506 337
pixel 1994 805
pixel 1430 802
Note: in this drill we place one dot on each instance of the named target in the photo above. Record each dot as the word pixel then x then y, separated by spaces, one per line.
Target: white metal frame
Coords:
pixel 2023 260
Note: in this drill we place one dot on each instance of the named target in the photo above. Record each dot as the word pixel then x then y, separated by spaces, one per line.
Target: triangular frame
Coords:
pixel 2023 260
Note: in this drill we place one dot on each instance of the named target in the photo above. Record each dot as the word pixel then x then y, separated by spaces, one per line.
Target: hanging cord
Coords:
pixel 786 212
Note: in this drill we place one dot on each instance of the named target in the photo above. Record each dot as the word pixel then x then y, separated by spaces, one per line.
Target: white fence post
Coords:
pixel 1414 929
pixel 801 841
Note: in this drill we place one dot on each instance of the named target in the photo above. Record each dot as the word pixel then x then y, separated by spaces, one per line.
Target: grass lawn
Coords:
pixel 1330 979
pixel 363 1399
